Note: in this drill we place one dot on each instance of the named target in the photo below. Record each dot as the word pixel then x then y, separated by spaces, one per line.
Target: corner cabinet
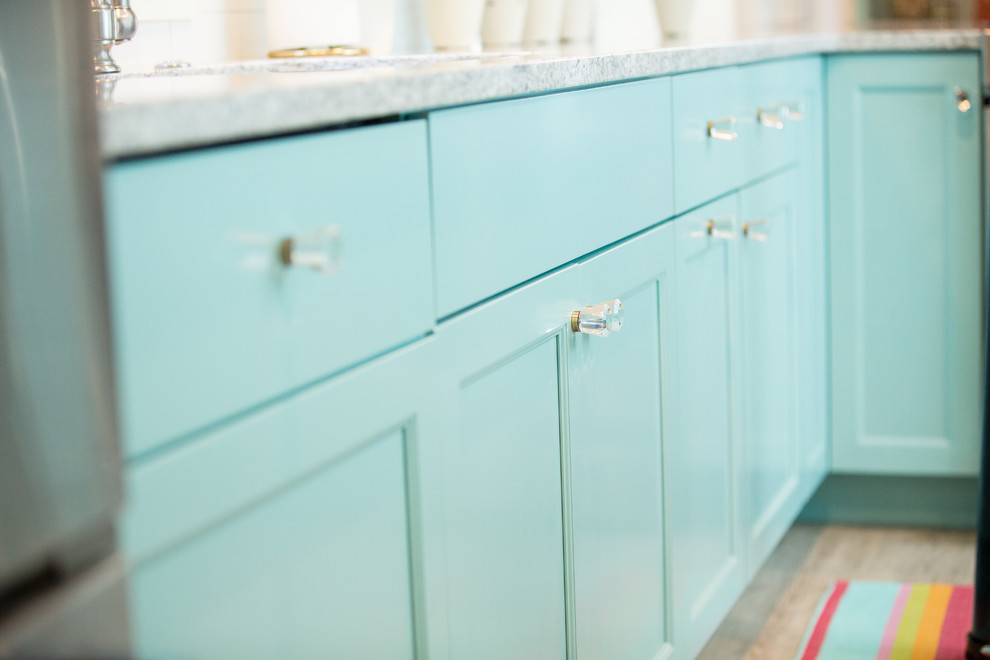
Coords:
pixel 906 239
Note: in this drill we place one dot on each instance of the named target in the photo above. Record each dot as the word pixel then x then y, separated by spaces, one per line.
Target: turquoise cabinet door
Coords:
pixel 502 381
pixel 768 332
pixel 319 571
pixel 704 494
pixel 301 531
pixel 617 425
pixel 811 389
pixel 905 238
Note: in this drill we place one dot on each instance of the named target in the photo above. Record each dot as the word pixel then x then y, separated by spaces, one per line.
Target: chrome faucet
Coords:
pixel 115 23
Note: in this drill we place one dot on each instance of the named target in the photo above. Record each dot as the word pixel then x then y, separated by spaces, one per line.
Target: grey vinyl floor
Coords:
pixel 769 621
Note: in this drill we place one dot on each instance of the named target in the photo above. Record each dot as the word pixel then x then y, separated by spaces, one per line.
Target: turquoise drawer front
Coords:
pixel 779 108
pixel 523 186
pixel 735 125
pixel 708 166
pixel 207 318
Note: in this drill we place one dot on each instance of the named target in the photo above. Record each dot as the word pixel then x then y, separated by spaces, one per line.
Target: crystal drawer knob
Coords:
pixel 723 129
pixel 317 250
pixel 599 320
pixel 770 119
pixel 962 100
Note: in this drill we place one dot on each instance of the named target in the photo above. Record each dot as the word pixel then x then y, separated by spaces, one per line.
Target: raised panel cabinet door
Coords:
pixel 703 492
pixel 767 346
pixel 502 384
pixel 304 530
pixel 906 275
pixel 617 426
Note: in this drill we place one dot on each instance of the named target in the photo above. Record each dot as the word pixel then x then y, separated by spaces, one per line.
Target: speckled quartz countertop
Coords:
pixel 147 113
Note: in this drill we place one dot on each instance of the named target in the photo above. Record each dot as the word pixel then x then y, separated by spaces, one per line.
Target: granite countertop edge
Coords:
pixel 135 127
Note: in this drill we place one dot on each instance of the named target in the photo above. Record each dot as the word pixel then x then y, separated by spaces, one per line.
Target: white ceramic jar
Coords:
pixel 503 22
pixel 576 27
pixel 675 17
pixel 454 24
pixel 543 22
pixel 301 23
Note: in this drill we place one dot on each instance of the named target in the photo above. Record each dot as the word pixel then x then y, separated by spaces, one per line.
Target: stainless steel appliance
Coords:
pixel 61 582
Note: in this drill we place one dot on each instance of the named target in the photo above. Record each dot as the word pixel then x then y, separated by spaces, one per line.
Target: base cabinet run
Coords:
pixel 494 484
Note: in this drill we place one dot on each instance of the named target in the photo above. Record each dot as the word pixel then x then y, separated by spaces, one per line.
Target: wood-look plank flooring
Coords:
pixel 769 621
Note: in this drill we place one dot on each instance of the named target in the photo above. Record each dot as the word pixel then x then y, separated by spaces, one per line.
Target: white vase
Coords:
pixel 577 23
pixel 377 25
pixel 300 23
pixel 675 17
pixel 503 22
pixel 454 24
pixel 543 21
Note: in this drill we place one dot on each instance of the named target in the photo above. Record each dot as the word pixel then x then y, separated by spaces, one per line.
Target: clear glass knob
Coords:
pixel 599 320
pixel 317 250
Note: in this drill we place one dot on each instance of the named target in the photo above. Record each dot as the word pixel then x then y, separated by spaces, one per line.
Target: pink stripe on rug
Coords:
pixel 890 632
pixel 818 634
pixel 956 625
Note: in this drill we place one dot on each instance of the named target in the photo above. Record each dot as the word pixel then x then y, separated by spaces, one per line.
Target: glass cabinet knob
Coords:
pixel 962 99
pixel 770 119
pixel 317 250
pixel 723 129
pixel 599 320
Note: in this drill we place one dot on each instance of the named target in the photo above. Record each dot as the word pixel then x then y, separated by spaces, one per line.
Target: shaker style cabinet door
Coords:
pixel 810 298
pixel 554 528
pixel 300 531
pixel 704 470
pixel 766 293
pixel 501 382
pixel 617 426
pixel 906 273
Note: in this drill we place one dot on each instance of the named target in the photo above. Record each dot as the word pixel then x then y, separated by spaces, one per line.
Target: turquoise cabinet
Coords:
pixel 768 337
pixel 523 186
pixel 353 464
pixel 805 83
pixel 554 524
pixel 704 468
pixel 301 531
pixel 618 389
pixel 734 458
pixel 905 237
pixel 209 321
pixel 499 384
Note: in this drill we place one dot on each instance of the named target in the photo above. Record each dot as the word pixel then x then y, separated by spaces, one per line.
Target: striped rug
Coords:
pixel 890 621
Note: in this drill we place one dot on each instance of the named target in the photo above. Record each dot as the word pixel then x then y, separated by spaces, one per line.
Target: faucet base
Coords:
pixel 103 61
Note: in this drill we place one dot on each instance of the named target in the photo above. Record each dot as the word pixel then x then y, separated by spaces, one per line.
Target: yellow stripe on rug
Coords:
pixel 908 630
pixel 930 628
